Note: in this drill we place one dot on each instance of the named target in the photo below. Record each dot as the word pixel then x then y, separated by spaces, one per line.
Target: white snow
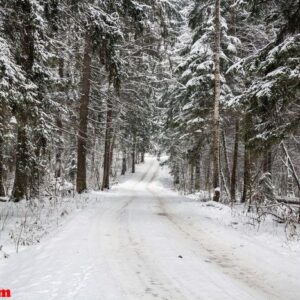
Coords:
pixel 142 240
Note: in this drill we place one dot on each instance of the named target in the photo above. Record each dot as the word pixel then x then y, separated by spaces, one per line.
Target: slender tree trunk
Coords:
pixel 226 160
pixel 247 157
pixel 197 173
pixel 22 157
pixel 107 148
pixel 59 151
pixel 59 125
pixel 191 176
pixel 208 172
pixel 111 154
pixel 235 161
pixel 176 174
pixel 133 156
pixel 124 164
pixel 2 190
pixel 246 183
pixel 83 116
pixel 216 116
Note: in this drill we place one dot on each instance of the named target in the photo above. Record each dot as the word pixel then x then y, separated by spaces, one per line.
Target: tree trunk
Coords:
pixel 226 160
pixel 197 173
pixel 208 172
pixel 59 151
pixel 235 161
pixel 124 165
pixel 247 157
pixel 21 181
pixel 107 148
pixel 59 125
pixel 111 154
pixel 216 116
pixel 176 174
pixel 22 163
pixel 133 156
pixel 191 176
pixel 83 116
pixel 2 190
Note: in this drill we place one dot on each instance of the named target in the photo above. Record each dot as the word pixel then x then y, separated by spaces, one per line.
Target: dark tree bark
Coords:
pixel 246 176
pixel 124 165
pixel 133 155
pixel 247 157
pixel 197 173
pixel 226 160
pixel 111 154
pixel 2 190
pixel 83 116
pixel 107 148
pixel 59 151
pixel 22 157
pixel 176 174
pixel 191 176
pixel 59 125
pixel 235 161
pixel 23 167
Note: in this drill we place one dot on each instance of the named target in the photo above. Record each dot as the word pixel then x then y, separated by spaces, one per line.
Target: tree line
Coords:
pixel 232 110
pixel 78 85
pixel 88 87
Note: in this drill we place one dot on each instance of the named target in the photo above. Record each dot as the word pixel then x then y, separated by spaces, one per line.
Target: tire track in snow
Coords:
pixel 212 251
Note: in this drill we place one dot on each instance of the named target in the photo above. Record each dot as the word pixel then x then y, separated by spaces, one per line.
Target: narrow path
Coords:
pixel 136 245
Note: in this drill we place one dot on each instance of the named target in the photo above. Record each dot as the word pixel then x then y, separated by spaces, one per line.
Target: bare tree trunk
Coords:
pixel 235 161
pixel 226 160
pixel 216 116
pixel 107 147
pixel 83 116
pixel 2 190
pixel 247 157
pixel 124 164
pixel 197 173
pixel 59 124
pixel 191 176
pixel 176 174
pixel 111 154
pixel 59 151
pixel 22 157
pixel 133 155
pixel 208 173
pixel 246 183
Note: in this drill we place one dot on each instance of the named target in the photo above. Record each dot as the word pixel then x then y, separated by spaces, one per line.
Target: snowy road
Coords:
pixel 143 241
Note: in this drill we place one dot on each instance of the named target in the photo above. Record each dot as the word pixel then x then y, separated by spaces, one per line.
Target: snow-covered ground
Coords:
pixel 141 240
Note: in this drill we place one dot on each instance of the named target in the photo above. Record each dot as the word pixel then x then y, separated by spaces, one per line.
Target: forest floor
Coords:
pixel 142 240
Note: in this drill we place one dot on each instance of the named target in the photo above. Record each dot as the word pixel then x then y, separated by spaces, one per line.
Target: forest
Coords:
pixel 88 87
pixel 150 149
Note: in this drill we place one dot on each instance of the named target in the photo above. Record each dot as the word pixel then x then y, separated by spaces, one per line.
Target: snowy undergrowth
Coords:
pixel 27 222
pixel 264 230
